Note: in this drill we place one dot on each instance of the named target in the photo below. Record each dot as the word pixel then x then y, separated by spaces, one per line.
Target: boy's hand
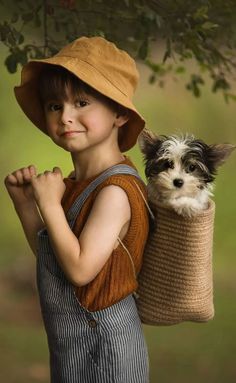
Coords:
pixel 19 187
pixel 48 188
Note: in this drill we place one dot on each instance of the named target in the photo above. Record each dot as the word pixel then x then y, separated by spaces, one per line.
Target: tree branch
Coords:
pixel 45 27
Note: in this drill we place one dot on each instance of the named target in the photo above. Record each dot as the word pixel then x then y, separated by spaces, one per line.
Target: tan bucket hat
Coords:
pixel 100 64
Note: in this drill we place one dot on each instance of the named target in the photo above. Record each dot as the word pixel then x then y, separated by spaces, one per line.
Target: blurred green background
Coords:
pixel 183 353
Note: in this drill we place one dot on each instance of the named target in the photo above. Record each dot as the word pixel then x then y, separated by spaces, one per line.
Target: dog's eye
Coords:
pixel 191 168
pixel 168 165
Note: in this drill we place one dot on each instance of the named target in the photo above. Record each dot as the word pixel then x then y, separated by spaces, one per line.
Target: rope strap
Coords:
pixel 130 257
pixel 145 201
pixel 120 241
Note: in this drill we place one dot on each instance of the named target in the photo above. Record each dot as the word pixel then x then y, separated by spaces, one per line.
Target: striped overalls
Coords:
pixel 102 346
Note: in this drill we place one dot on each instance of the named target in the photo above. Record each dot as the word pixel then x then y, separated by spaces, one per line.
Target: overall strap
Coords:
pixel 78 203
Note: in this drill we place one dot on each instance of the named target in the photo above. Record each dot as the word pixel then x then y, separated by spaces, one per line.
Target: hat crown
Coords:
pixel 113 63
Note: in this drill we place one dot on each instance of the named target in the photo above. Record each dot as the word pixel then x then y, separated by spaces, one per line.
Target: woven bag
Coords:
pixel 175 283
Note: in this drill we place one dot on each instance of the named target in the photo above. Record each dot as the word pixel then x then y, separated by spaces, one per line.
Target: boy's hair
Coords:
pixel 54 82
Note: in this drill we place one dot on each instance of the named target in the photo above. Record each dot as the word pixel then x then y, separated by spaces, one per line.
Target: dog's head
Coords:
pixel 181 165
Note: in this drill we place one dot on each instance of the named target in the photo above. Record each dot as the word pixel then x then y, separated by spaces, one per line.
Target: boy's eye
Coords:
pixel 81 103
pixel 54 107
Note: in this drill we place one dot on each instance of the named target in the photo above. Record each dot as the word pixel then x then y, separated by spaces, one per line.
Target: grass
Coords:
pixel 182 353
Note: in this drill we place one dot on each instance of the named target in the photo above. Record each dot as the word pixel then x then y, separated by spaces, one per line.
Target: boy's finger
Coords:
pixel 26 174
pixel 11 179
pixel 56 169
pixel 32 179
pixel 32 170
pixel 18 174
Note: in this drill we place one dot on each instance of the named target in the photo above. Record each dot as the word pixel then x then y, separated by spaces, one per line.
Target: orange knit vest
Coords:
pixel 116 279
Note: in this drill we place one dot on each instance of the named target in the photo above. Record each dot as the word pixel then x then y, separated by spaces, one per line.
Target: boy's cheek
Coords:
pixel 51 128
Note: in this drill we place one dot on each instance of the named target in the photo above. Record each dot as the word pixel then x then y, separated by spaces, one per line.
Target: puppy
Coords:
pixel 180 170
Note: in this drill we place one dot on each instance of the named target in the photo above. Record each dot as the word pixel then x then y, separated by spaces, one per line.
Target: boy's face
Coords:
pixel 79 123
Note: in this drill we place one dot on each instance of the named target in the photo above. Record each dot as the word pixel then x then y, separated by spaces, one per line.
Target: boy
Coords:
pixel 82 98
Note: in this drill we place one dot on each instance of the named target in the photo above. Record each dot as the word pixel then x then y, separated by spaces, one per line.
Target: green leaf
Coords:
pixel 209 25
pixel 152 79
pixel 180 69
pixel 11 39
pixel 220 83
pixel 21 57
pixel 194 83
pixel 4 31
pixel 229 96
pixel 143 50
pixel 196 91
pixel 187 54
pixel 34 52
pixel 201 12
pixel 20 38
pixel 53 50
pixel 158 69
pixel 11 63
pixel 194 88
pixel 196 79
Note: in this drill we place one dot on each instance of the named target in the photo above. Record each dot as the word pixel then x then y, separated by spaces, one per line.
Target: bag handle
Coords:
pixel 145 201
pixel 130 257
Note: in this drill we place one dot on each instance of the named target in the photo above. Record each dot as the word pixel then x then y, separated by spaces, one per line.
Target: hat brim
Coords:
pixel 27 95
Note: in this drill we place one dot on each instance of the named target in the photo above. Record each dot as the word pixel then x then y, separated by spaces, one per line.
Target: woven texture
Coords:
pixel 175 282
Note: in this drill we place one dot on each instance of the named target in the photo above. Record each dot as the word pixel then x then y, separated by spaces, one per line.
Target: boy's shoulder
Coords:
pixel 131 185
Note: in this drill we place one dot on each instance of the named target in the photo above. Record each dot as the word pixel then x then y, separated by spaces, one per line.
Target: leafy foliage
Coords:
pixel 202 31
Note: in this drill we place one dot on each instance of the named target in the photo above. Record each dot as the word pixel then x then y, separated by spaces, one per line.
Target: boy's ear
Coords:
pixel 121 118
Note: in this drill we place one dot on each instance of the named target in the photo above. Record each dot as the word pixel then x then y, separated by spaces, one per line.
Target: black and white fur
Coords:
pixel 181 170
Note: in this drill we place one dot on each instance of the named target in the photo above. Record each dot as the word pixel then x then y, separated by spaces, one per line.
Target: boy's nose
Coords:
pixel 67 115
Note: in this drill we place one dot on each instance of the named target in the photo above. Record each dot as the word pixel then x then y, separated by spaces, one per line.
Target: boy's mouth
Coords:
pixel 72 133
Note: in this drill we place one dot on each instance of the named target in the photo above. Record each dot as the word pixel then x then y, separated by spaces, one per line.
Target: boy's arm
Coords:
pixel 31 223
pixel 19 188
pixel 82 259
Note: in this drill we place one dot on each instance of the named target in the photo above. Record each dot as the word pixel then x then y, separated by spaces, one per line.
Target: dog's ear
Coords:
pixel 219 153
pixel 149 143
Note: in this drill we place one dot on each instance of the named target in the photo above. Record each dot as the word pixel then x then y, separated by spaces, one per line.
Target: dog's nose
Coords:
pixel 178 182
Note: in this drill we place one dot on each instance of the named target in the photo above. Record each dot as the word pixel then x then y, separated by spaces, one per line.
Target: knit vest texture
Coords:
pixel 116 279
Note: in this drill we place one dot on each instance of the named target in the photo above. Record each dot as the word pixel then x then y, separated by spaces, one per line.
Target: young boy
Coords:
pixel 82 98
